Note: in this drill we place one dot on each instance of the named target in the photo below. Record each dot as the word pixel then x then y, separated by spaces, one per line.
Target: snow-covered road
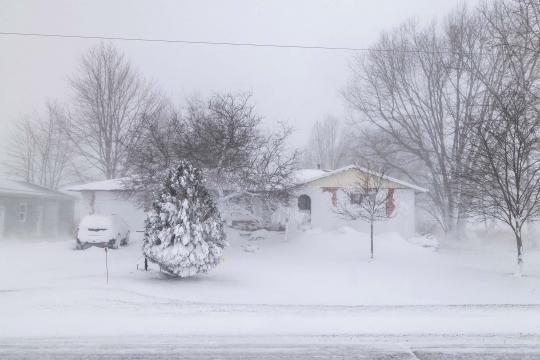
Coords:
pixel 365 347
pixel 112 311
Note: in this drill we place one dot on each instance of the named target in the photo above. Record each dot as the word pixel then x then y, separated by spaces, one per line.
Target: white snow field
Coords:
pixel 318 283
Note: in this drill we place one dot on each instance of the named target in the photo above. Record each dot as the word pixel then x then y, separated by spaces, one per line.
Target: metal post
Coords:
pixel 106 264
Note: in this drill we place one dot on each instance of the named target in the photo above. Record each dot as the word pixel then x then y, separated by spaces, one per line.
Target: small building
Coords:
pixel 109 197
pixel 320 193
pixel 29 210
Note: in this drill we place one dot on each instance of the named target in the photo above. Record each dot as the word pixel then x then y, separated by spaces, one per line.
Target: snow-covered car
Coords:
pixel 100 230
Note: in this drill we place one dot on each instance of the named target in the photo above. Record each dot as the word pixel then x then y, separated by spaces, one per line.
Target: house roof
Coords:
pixel 306 175
pixel 21 188
pixel 346 168
pixel 105 185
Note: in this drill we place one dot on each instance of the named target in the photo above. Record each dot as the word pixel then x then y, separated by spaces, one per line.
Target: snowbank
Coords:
pixel 259 235
pixel 250 248
pixel 425 241
pixel 346 230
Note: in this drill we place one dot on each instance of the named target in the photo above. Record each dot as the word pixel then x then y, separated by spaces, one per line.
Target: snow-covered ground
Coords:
pixel 318 283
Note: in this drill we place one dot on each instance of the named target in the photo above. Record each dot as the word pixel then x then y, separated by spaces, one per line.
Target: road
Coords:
pixel 365 347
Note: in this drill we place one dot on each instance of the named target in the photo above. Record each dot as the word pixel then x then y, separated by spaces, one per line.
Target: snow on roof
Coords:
pixel 16 187
pixel 306 175
pixel 105 185
pixel 345 168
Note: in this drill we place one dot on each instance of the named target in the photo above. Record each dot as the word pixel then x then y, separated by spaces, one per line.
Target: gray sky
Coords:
pixel 299 86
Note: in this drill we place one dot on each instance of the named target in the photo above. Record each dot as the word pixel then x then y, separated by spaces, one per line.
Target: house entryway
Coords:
pixel 304 205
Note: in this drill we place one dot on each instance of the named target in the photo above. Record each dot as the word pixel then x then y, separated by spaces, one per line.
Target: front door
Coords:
pixel 39 221
pixel 304 205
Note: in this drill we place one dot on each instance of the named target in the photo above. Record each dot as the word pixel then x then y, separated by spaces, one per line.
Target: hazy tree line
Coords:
pixel 326 148
pixel 38 150
pixel 116 124
pixel 87 136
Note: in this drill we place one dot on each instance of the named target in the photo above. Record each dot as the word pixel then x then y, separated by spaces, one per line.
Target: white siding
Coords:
pixel 323 217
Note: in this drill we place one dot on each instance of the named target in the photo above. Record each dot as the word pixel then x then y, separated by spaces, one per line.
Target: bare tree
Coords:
pixel 370 199
pixel 38 149
pixel 326 147
pixel 521 31
pixel 21 150
pixel 506 173
pixel 109 99
pixel 156 148
pixel 245 164
pixel 414 92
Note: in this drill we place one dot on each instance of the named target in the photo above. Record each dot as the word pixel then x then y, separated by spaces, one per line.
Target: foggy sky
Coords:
pixel 299 86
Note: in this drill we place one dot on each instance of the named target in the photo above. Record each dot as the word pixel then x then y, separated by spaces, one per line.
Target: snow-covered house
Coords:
pixel 320 192
pixel 107 198
pixel 29 210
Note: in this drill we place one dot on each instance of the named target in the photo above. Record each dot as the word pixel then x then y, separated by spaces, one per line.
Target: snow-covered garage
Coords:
pixel 108 197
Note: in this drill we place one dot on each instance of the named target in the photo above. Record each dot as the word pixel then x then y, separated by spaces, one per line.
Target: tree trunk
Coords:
pixel 286 232
pixel 519 267
pixel 451 226
pixel 372 239
pixel 448 228
pixel 489 229
pixel 461 228
pixel 532 232
pixel 531 225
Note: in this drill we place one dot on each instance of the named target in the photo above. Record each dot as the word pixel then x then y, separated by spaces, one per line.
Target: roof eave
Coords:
pixel 349 167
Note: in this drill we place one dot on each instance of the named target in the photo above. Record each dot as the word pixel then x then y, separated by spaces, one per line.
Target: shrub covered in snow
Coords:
pixel 288 215
pixel 259 234
pixel 184 232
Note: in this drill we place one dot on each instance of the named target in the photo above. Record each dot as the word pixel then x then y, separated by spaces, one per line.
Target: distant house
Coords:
pixel 320 192
pixel 106 198
pixel 31 210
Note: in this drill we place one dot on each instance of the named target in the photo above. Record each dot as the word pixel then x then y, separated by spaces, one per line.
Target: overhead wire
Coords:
pixel 260 45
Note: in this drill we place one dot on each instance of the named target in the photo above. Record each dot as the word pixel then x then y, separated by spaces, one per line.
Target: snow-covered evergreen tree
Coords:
pixel 184 232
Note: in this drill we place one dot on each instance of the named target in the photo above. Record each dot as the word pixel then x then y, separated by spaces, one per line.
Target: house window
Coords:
pixel 22 214
pixel 359 198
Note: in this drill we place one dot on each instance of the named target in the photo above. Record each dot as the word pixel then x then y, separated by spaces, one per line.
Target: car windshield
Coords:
pixel 96 223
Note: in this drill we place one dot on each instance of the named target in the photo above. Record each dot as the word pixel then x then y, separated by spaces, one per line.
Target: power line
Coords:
pixel 303 47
